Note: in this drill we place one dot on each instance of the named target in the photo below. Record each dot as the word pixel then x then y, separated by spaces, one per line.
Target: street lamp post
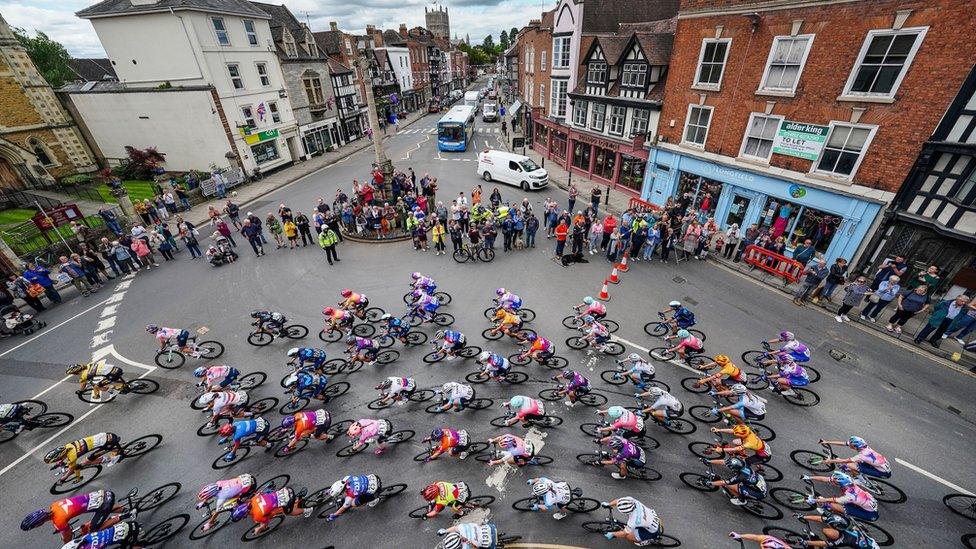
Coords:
pixel 384 164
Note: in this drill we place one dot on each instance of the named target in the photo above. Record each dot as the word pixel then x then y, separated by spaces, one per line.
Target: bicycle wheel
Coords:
pixel 292 406
pixel 812 373
pixel 332 367
pixel 582 505
pixel 883 491
pixel 525 504
pixel 350 450
pixel 421 395
pixel 158 496
pixel 613 348
pixel 526 314
pixel 499 421
pixel 792 538
pixel 614 377
pixel 402 435
pixel 222 519
pixel 379 404
pixel 364 330
pixel 877 533
pixel 221 462
pixel 577 342
pixel 330 336
pixel 386 341
pixel 336 390
pixel 143 386
pixel 762 509
pixel 802 397
pixel 469 351
pixel 610 325
pixel 263 405
pixel 811 461
pixel 518 360
pixel 791 499
pixel 443 319
pixel 476 377
pixel 690 384
pixel 770 473
pixel 170 360
pixel 272 524
pixel 388 356
pixel 491 334
pixel 969 541
pixel 374 313
pixel 679 426
pixel 210 349
pixel 163 531
pixel 295 331
pixel 419 513
pixel 53 419
pixel 280 433
pixel 756 382
pixel 539 460
pixel 32 408
pixel 592 399
pixel 274 483
pixel 698 333
pixel 479 403
pixel 752 357
pixel 105 395
pixel 516 378
pixel 486 255
pixel 646 442
pixel 703 449
pixel 645 473
pixel 662 354
pixel 141 446
pixel 460 255
pixel 702 483
pixel 602 526
pixel 656 329
pixel 479 502
pixel 88 474
pixel 260 339
pixel 555 363
pixel 763 432
pixel 961 504
pixel 551 395
pixel 434 356
pixel 251 380
pixel 547 421
pixel 284 451
pixel 593 429
pixel 704 414
pixel 208 429
pixel 474 449
pixel 353 367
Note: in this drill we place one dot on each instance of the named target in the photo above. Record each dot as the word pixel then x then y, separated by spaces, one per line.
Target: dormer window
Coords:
pixel 634 75
pixel 290 49
pixel 597 72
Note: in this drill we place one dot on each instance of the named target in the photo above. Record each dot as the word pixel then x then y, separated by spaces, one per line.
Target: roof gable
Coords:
pixel 109 8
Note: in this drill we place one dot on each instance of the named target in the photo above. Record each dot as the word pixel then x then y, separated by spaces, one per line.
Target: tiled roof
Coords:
pixel 606 15
pixel 336 67
pixel 329 41
pixel 125 7
pixel 657 47
pixel 661 26
pixel 613 47
pixel 93 70
pixel 393 38
pixel 282 21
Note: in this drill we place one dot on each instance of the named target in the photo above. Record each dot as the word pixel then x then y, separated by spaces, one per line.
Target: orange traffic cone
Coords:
pixel 614 279
pixel 604 292
pixel 623 263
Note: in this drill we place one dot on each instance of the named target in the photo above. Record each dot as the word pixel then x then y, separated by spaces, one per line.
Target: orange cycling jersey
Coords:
pixel 539 345
pixel 448 440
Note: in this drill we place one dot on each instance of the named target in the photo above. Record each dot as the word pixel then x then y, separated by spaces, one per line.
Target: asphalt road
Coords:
pixel 907 405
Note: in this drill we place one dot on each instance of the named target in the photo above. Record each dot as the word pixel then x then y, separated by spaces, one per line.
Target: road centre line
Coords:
pixel 51 329
pixel 934 477
pixel 673 361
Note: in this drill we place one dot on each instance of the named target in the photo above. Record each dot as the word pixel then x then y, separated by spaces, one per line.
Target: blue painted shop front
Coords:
pixel 837 223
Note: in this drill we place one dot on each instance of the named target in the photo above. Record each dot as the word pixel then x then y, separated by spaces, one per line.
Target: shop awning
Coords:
pixel 513 110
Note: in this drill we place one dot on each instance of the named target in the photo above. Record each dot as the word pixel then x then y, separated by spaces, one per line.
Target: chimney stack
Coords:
pixel 403 30
pixel 333 26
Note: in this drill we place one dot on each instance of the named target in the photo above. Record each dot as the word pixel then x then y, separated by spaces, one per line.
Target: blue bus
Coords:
pixel 456 128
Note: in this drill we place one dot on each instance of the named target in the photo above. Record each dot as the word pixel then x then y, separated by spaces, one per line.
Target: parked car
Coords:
pixel 513 169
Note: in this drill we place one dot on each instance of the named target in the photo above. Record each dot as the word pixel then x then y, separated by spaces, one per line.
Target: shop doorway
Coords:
pixel 737 210
pixel 698 194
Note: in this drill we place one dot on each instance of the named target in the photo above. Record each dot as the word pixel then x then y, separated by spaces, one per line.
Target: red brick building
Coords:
pixel 419 64
pixel 801 117
pixel 534 44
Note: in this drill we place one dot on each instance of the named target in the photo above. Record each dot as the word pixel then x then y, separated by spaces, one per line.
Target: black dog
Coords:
pixel 569 259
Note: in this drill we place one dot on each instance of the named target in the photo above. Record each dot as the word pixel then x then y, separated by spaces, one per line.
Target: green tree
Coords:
pixel 512 35
pixel 50 57
pixel 503 41
pixel 488 44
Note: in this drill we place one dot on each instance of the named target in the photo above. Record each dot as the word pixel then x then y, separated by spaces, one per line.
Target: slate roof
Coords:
pixel 93 70
pixel 657 47
pixel 336 67
pixel 393 38
pixel 329 41
pixel 607 15
pixel 125 7
pixel 283 20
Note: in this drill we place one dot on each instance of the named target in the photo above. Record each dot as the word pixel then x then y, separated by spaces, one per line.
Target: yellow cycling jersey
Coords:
pixel 447 493
pixel 509 318
pixel 97 369
pixel 83 446
pixel 730 370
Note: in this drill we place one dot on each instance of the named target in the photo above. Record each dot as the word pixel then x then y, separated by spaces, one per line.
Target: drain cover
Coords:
pixel 842 356
pixel 678 280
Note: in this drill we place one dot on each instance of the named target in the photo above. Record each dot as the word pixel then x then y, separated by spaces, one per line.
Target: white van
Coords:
pixel 472 98
pixel 511 168
pixel 489 112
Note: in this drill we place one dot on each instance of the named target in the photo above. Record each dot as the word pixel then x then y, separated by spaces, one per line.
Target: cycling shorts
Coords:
pixel 229 378
pixel 858 513
pixel 871 471
pixel 182 338
pixel 797 381
pixel 103 512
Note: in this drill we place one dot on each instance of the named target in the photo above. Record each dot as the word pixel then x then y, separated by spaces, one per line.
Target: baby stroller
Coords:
pixel 220 252
pixel 16 322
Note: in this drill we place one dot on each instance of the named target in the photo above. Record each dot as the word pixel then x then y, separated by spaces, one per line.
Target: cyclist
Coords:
pixel 540 350
pixel 103 448
pixel 338 319
pixel 507 300
pixel 99 376
pixel 425 283
pixel 866 461
pixel 494 365
pixel 595 333
pixel 469 535
pixel 641 372
pixel 269 321
pixel 122 534
pixel 228 494
pixel 366 430
pixel 396 389
pixel 359 490
pixel 300 355
pixel 166 336
pixel 625 422
pixel 362 348
pixel 576 385
pixel 522 409
pixel 514 450
pixel 748 407
pixel 61 512
pixel 643 525
pixel 12 417
pixel 840 531
pixel 550 494
pixel 224 403
pixel 745 484
pixel 727 374
pixel 791 346
pixel 665 405
pixel 452 442
pixel 790 374
pixel 591 307
pixel 681 316
pixel 254 430
pixel 354 302
pixel 625 454
pixel 453 342
pixel 425 306
pixel 854 502
pixel 750 445
pixel 455 395
pixel 396 327
pixel 764 541
pixel 313 423
pixel 216 378
pixel 441 494
pixel 686 343
pixel 509 324
pixel 267 505
pixel 303 384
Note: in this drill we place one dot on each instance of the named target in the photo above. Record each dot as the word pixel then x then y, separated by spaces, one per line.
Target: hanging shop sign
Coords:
pixel 260 136
pixel 800 139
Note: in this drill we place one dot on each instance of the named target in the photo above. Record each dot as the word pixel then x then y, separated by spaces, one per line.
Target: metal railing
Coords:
pixel 27 240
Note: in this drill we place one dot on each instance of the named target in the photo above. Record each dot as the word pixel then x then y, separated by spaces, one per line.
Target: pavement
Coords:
pixel 910 406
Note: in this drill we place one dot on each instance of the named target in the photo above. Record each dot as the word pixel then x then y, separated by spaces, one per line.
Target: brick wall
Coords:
pixel 938 70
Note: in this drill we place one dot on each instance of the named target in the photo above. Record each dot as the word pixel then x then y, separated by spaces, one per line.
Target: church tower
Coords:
pixel 438 21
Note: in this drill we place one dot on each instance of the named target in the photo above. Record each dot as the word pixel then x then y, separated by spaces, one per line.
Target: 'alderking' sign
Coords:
pixel 800 139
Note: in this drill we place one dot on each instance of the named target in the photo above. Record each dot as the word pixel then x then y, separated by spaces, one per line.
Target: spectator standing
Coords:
pixel 531 227
pixel 836 275
pixel 291 233
pixel 182 196
pixel 496 198
pixel 930 277
pixel 454 229
pixel 748 239
pixel 144 253
pixel 437 234
pixel 578 236
pixel 110 219
pixel 732 237
pixel 220 185
pixel 328 240
pixel 596 235
pixel 489 232
pixel 562 231
pixel 233 211
pixel 90 264
pixel 889 267
pixel 169 199
pixel 964 324
pixel 225 231
pixel 302 223
pixel 507 231
pixel 853 295
pixel 884 294
pixel 476 195
pixel 189 234
pixel 123 256
pixel 909 305
pixel 573 193
pixel 815 274
pixel 21 287
pixel 943 314
pixel 105 250
pixel 161 210
pixel 36 274
pixel 595 195
pixel 165 248
pixel 274 227
pixel 253 235
pixel 804 252
pixel 76 274
pixel 609 225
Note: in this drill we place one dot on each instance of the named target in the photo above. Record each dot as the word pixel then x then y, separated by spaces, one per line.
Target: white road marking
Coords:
pixel 105 324
pixel 936 478
pixel 51 329
pixel 124 285
pixel 110 351
pixel 487 145
pixel 116 297
pixel 415 149
pixel 673 361
pixel 39 395
pixel 110 310
pixel 101 339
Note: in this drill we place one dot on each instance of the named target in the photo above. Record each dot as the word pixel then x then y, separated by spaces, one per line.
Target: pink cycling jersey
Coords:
pixel 369 429
pixel 595 309
pixel 215 373
pixel 364 343
pixel 230 489
pixel 769 542
pixel 530 407
pixel 690 342
pixel 598 329
pixel 868 456
pixel 228 399
pixel 855 495
pixel 518 449
pixel 629 421
pixel 165 334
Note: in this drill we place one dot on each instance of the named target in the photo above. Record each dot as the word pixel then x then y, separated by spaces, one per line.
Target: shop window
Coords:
pixel 711 63
pixel 883 61
pixel 796 223
pixel 541 135
pixel 786 60
pixel 846 145
pixel 758 142
pixel 696 125
pixel 558 145
pixel 698 194
pixel 632 172
pixel 581 156
pixel 265 152
pixel 604 163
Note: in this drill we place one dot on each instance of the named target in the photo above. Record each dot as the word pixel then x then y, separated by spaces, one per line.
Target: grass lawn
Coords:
pixel 16 216
pixel 138 190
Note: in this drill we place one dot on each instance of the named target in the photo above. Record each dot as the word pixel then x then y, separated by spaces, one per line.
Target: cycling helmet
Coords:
pixel 588 300
pixel 683 333
pixel 152 328
pixel 386 316
pixel 35 519
pixel 857 443
pixel 566 374
pixel 416 294
pixel 837 522
pixel 741 431
pixel 288 422
pixel 735 464
pixel 722 359
pixel 430 492
pixel 354 429
pixel 339 486
pixel 516 401
pixel 655 392
pixel 436 433
pixel 484 356
pixel 209 491
pixel 452 541
pixel 616 443
pixel 328 311
pixel 626 505
pixel 615 412
pixel 507 441
pixel 256 314
pixel 226 430
pixel 207 398
pixel 350 339
pixel 200 372
pixel 739 389
pixel 415 276
pixel 787 336
pixel 531 337
pixel 56 454
pixel 293 352
pixel 346 292
pixel 500 313
pixel 539 488
pixel 674 304
pixel 384 385
pixel 240 511
pixel 588 319
pixel 439 334
pixel 841 479
pixel 634 356
pixel 75 369
pixel 500 292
